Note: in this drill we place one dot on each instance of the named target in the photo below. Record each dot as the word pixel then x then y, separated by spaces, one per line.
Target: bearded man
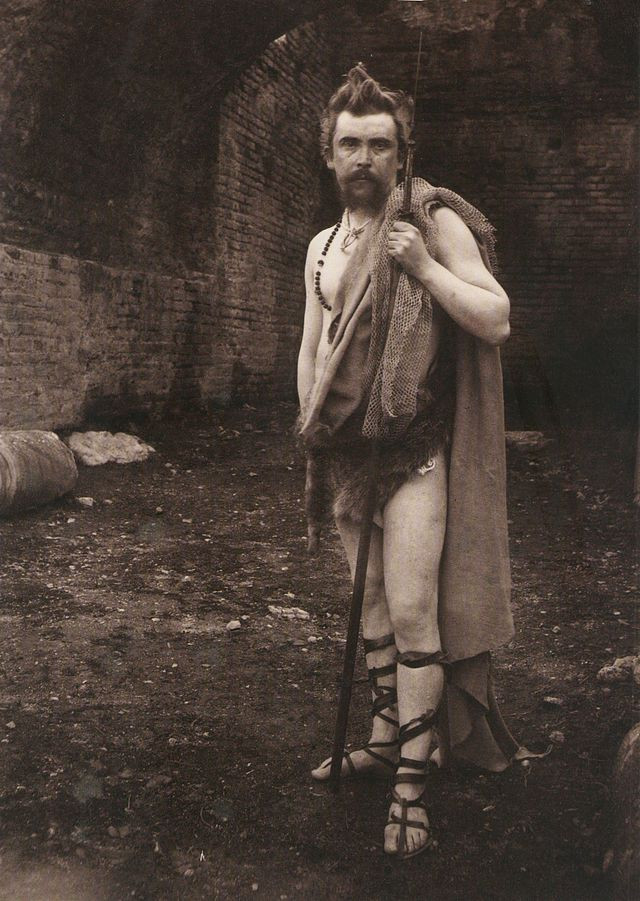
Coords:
pixel 437 591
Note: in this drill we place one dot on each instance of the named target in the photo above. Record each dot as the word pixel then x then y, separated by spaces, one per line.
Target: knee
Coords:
pixel 415 622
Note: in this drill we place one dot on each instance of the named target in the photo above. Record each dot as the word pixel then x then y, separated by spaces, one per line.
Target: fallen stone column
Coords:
pixel 35 468
pixel 625 798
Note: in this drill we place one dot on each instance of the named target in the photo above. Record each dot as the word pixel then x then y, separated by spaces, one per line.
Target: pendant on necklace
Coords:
pixel 353 233
pixel 351 236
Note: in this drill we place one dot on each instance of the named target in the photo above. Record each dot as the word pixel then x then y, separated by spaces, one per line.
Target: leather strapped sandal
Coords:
pixel 417 726
pixel 385 698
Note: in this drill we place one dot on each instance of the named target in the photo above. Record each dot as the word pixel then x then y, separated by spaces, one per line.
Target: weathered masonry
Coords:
pixel 160 180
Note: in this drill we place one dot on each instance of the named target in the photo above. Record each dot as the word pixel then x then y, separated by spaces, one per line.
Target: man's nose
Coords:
pixel 364 157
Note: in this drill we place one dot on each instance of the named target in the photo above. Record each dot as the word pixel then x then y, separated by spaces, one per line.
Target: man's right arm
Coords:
pixel 311 332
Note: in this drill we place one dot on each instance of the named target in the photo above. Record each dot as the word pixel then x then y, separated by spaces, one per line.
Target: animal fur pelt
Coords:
pixel 317 497
pixel 337 473
pixel 348 466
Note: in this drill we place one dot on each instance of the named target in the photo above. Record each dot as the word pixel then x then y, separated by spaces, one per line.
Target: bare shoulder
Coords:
pixel 316 245
pixel 458 251
pixel 454 238
pixel 319 240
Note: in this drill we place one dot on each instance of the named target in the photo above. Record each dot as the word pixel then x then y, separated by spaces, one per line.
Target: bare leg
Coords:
pixel 375 624
pixel 414 528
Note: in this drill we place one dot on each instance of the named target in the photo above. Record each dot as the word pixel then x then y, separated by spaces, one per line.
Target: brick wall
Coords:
pixel 81 340
pixel 268 196
pixel 528 109
pixel 153 262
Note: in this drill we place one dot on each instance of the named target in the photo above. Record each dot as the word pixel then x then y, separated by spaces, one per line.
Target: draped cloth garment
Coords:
pixel 474 581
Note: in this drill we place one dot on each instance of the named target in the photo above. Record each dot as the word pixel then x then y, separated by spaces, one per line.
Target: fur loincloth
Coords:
pixel 337 473
pixel 429 433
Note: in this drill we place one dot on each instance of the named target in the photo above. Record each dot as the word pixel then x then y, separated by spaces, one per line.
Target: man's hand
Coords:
pixel 406 246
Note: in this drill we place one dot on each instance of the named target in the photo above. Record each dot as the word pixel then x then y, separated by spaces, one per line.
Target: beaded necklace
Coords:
pixel 352 235
pixel 316 285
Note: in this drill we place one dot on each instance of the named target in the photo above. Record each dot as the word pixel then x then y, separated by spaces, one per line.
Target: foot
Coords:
pixel 363 763
pixel 416 837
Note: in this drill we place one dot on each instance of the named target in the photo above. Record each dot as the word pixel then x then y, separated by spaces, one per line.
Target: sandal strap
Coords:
pixel 417 726
pixel 352 767
pixel 380 744
pixel 417 824
pixel 416 659
pixel 368 750
pixel 376 644
pixel 404 802
pixel 376 671
pixel 412 764
pixel 386 696
pixel 383 716
pixel 403 820
pixel 408 779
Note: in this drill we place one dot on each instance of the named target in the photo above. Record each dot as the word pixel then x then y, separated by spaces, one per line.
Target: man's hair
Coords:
pixel 362 95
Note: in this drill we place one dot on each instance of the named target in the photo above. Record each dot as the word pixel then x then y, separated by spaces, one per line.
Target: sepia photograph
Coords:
pixel 319 450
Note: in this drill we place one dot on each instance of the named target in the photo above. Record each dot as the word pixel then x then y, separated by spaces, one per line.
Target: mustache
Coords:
pixel 362 176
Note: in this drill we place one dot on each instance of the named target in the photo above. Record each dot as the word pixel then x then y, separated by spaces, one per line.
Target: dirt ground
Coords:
pixel 150 753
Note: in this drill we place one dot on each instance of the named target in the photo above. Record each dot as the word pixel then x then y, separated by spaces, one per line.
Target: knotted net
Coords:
pixel 398 348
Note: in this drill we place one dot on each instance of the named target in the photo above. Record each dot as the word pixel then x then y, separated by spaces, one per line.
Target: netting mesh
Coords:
pixel 394 370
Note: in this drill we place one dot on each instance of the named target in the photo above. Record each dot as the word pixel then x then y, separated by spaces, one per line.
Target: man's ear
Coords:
pixel 328 158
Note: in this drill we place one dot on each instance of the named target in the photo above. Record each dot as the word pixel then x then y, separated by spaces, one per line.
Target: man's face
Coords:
pixel 365 158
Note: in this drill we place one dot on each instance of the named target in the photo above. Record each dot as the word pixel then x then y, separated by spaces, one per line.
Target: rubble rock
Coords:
pixel 96 448
pixel 527 440
pixel 623 669
pixel 289 612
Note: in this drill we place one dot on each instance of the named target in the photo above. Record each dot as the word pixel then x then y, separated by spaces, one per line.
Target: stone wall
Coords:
pixel 155 212
pixel 160 181
pixel 268 196
pixel 83 340
pixel 528 109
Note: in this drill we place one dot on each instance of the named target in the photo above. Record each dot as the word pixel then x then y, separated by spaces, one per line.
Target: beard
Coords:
pixel 366 193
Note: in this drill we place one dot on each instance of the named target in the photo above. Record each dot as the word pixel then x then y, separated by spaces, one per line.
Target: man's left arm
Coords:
pixel 458 279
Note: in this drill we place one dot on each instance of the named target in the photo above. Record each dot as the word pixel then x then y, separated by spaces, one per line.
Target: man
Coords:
pixel 437 581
